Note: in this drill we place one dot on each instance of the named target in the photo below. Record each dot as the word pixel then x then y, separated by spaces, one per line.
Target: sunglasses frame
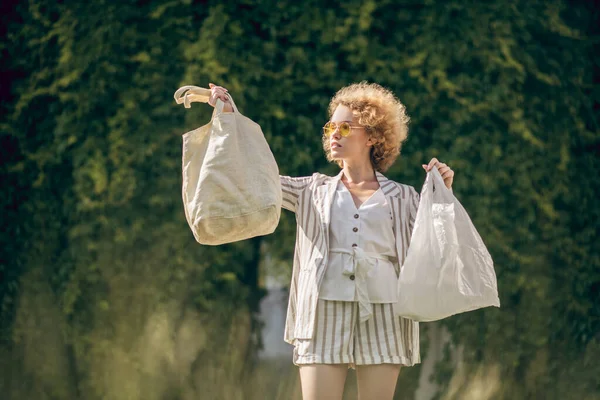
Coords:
pixel 338 127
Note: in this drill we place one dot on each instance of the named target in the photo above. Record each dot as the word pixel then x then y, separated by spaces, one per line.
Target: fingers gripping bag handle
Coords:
pixel 447 270
pixel 190 94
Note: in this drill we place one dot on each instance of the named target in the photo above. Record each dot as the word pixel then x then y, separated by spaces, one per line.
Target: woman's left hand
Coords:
pixel 445 171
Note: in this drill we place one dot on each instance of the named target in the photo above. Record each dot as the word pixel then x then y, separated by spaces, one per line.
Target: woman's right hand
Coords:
pixel 219 92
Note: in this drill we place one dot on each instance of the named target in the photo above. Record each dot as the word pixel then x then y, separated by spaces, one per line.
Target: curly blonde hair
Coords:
pixel 383 116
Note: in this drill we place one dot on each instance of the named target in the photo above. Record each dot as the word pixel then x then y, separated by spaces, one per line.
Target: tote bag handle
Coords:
pixel 189 94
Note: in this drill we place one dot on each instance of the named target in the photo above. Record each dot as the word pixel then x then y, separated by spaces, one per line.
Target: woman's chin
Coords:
pixel 336 153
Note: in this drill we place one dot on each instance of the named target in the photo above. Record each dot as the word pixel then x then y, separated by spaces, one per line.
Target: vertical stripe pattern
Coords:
pixel 341 340
pixel 310 198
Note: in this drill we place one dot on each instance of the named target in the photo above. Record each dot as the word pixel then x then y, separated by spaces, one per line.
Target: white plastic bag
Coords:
pixel 447 270
pixel 231 188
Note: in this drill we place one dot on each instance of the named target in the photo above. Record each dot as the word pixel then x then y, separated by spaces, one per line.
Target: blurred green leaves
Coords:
pixel 506 94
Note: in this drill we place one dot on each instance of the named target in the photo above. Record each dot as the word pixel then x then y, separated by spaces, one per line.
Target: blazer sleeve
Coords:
pixel 291 189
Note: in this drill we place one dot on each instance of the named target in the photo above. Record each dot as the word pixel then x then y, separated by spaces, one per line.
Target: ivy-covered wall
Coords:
pixel 105 294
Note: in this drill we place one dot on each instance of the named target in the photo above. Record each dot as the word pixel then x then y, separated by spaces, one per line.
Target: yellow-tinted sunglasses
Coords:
pixel 344 128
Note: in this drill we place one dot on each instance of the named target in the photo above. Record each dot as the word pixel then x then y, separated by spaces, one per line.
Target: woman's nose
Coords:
pixel 336 133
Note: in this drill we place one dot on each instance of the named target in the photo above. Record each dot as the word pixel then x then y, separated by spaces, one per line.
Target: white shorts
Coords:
pixel 340 339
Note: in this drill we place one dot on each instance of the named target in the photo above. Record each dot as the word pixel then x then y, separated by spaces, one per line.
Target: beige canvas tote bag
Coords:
pixel 231 189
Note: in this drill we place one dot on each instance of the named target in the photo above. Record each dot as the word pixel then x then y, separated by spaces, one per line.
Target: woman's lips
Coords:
pixel 335 145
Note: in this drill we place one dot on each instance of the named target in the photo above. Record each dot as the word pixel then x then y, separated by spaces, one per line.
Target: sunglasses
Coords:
pixel 344 128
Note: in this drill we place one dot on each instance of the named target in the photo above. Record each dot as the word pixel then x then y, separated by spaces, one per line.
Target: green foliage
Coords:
pixel 90 149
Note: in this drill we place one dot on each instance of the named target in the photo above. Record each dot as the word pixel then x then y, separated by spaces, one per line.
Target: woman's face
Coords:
pixel 356 146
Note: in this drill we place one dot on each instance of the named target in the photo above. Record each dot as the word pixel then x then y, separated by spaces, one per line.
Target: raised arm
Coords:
pixel 291 189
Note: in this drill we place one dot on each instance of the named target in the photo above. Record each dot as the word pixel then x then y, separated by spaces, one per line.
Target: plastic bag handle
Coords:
pixel 433 177
pixel 189 94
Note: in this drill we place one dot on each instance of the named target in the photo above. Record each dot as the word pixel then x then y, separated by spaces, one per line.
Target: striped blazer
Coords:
pixel 311 198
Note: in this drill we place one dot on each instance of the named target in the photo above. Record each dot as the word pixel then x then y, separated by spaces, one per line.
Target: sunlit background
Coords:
pixel 104 293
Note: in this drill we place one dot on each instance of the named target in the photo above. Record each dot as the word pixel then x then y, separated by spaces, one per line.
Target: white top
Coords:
pixel 361 242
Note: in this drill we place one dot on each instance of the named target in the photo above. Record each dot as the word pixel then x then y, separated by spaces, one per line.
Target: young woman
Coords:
pixel 353 231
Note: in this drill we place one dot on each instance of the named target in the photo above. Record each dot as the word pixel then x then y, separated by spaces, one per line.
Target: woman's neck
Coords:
pixel 359 173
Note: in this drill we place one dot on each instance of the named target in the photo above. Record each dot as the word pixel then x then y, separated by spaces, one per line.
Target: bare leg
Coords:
pixel 323 381
pixel 377 382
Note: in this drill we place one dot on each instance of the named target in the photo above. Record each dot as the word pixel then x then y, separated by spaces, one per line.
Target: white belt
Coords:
pixel 361 267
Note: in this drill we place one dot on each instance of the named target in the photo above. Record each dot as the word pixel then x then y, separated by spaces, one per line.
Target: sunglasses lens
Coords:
pixel 344 129
pixel 328 129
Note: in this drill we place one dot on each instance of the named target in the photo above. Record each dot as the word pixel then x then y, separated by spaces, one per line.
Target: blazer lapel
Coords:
pixel 389 188
pixel 393 196
pixel 323 198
